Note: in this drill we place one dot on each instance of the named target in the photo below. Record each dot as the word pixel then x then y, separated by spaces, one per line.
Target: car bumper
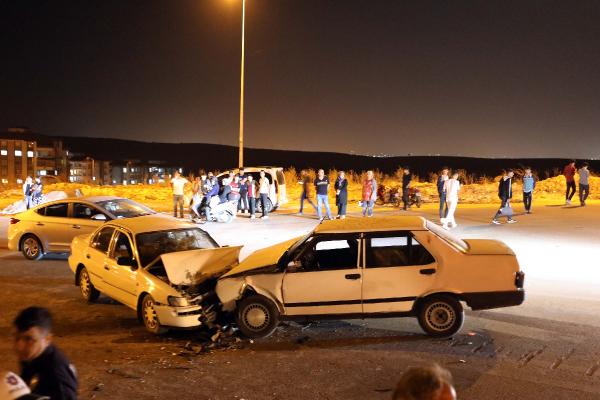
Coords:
pixel 13 241
pixel 179 317
pixel 488 300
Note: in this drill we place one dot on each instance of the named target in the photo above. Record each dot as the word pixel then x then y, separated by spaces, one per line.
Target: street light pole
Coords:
pixel 241 149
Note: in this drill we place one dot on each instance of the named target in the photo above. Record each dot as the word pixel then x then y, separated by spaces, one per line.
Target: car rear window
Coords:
pixel 447 236
pixel 57 210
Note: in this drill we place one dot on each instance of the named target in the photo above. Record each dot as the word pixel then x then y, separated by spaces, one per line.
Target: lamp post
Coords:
pixel 241 148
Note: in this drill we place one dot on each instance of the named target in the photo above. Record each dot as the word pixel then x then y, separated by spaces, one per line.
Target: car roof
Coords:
pixel 151 223
pixel 373 224
pixel 88 199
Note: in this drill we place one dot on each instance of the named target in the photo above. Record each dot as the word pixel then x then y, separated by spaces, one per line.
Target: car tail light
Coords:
pixel 14 221
pixel 520 279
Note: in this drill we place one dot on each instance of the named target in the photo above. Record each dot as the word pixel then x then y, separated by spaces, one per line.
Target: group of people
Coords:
pixel 240 190
pixel 448 188
pixel 33 194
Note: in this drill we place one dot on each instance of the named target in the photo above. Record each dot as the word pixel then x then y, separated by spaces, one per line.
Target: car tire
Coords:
pixel 441 316
pixel 88 291
pixel 257 316
pixel 31 247
pixel 149 317
pixel 259 205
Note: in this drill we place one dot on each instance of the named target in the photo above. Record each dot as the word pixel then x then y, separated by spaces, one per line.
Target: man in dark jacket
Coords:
pixel 406 178
pixel 569 173
pixel 505 194
pixel 442 178
pixel 44 368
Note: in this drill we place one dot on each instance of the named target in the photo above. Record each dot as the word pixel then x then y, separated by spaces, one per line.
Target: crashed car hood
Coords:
pixel 262 258
pixel 487 247
pixel 193 267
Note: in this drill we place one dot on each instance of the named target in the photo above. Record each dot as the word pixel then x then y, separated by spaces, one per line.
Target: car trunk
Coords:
pixel 487 247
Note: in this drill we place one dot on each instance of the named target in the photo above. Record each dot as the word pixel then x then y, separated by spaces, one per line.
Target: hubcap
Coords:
pixel 256 316
pixel 149 314
pixel 440 316
pixel 84 283
pixel 30 245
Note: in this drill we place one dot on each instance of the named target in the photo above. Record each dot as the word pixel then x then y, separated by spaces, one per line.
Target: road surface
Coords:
pixel 548 348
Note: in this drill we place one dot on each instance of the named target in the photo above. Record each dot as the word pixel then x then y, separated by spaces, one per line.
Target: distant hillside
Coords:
pixel 192 156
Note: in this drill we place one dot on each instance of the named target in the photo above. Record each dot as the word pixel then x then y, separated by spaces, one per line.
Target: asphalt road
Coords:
pixel 548 348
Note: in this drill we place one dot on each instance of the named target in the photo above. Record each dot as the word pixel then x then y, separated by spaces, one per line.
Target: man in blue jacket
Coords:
pixel 442 178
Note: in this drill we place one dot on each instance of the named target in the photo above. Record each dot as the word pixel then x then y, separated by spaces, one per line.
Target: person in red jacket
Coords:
pixel 569 173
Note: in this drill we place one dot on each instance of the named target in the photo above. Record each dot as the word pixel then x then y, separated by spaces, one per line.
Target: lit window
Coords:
pixel 3 153
pixel 180 170
pixel 124 182
pixel 133 182
pixel 19 181
pixel 93 178
pixel 124 169
pixel 18 153
pixel 4 180
pixel 42 172
pixel 30 154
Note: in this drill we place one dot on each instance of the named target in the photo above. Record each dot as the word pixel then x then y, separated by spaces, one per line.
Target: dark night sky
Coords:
pixel 485 78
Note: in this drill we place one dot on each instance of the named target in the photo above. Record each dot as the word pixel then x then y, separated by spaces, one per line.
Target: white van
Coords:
pixel 278 195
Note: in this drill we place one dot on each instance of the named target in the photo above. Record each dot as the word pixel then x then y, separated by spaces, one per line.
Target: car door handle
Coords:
pixel 77 226
pixel 106 267
pixel 88 256
pixel 39 224
pixel 427 271
pixel 352 276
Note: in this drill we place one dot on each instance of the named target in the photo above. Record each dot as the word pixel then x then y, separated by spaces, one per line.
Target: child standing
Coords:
pixel 528 186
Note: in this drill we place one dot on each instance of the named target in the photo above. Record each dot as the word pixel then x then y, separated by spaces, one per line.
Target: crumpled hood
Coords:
pixel 262 258
pixel 488 247
pixel 193 267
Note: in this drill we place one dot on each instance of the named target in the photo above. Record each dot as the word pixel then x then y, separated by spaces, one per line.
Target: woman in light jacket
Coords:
pixel 451 187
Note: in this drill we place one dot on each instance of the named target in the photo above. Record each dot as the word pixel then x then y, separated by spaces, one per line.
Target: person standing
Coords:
pixel 251 191
pixel 341 194
pixel 569 173
pixel 44 368
pixel 406 178
pixel 305 195
pixel 369 194
pixel 37 193
pixel 264 189
pixel 243 203
pixel 322 189
pixel 505 194
pixel 196 197
pixel 442 178
pixel 528 186
pixel 27 190
pixel 451 189
pixel 177 183
pixel 584 183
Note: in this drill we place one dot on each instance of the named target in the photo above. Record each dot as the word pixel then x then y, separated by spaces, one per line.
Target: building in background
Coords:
pixel 23 153
pixel 90 171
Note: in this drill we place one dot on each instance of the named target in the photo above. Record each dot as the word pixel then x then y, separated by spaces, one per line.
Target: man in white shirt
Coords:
pixel 177 183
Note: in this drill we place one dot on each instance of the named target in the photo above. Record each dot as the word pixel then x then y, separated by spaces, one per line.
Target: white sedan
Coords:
pixel 376 267
pixel 50 227
pixel 162 268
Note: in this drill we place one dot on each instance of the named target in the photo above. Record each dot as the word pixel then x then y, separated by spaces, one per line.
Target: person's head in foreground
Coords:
pixel 33 333
pixel 370 175
pixel 12 387
pixel 321 173
pixel 455 175
pixel 425 383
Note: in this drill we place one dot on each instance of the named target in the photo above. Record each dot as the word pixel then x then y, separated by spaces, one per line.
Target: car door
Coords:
pixel 324 277
pixel 96 256
pixel 396 270
pixel 81 218
pixel 121 279
pixel 53 227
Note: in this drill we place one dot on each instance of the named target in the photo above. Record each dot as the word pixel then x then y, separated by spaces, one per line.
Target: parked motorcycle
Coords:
pixel 219 212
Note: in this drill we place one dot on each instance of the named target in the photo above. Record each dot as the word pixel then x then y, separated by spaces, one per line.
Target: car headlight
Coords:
pixel 177 301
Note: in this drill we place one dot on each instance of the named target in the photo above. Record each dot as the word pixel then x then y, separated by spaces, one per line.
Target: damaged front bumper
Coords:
pixel 179 317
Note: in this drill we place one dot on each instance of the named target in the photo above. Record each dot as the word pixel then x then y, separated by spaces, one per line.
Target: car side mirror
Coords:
pixel 294 266
pixel 99 217
pixel 127 261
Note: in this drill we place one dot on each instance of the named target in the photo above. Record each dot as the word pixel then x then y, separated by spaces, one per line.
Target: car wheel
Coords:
pixel 31 247
pixel 441 316
pixel 259 205
pixel 88 291
pixel 149 316
pixel 257 316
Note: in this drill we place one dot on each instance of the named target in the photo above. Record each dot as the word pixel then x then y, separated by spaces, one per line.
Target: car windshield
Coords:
pixel 447 236
pixel 150 245
pixel 125 208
